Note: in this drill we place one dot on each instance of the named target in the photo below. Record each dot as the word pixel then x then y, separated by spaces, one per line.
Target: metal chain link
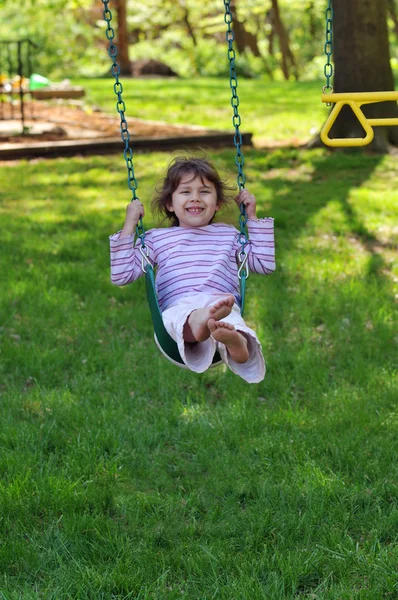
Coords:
pixel 328 68
pixel 121 108
pixel 236 121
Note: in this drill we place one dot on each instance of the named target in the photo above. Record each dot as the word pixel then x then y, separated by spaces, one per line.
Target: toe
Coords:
pixel 211 324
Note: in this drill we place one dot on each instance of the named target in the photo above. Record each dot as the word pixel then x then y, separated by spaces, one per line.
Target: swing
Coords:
pixel 164 341
pixel 354 100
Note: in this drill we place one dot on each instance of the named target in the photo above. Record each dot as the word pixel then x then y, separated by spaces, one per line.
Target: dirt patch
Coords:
pixel 45 121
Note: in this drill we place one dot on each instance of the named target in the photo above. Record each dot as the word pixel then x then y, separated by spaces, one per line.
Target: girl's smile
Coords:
pixel 194 201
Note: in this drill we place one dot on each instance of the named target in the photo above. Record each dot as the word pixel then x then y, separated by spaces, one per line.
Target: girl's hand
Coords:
pixel 249 201
pixel 134 212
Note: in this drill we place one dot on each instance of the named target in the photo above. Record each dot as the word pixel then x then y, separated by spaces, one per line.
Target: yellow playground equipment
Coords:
pixel 353 99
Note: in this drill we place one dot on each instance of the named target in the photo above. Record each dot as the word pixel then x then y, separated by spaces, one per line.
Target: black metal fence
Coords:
pixel 16 67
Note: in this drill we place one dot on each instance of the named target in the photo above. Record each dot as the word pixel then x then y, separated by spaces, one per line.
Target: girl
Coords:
pixel 197 272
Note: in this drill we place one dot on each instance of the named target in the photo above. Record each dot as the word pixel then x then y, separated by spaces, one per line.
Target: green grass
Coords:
pixel 124 477
pixel 272 111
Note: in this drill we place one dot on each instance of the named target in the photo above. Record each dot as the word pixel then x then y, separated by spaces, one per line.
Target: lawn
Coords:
pixel 273 111
pixel 125 477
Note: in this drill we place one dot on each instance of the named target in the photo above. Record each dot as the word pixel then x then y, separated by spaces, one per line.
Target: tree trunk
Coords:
pixel 187 22
pixel 243 39
pixel 287 54
pixel 269 20
pixel 362 64
pixel 123 38
pixel 310 10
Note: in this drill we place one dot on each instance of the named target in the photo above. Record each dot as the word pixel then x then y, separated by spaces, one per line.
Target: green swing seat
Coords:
pixel 167 346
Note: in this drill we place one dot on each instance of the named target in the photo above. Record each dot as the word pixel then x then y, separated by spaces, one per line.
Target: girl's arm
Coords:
pixel 125 256
pixel 249 201
pixel 261 247
pixel 134 212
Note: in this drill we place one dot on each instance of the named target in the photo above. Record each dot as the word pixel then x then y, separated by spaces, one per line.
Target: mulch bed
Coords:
pixel 67 121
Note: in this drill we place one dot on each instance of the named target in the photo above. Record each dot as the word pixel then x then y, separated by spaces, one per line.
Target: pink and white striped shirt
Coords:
pixel 195 260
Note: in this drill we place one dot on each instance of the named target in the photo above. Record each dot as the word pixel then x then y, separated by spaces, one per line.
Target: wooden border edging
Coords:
pixel 50 93
pixel 115 145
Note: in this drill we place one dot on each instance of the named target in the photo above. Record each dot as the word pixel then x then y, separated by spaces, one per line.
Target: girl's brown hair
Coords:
pixel 180 166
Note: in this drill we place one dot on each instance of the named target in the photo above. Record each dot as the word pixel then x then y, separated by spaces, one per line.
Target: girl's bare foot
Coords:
pixel 196 329
pixel 234 341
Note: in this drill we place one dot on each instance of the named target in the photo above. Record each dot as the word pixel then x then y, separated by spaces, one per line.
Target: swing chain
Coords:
pixel 236 121
pixel 121 108
pixel 328 68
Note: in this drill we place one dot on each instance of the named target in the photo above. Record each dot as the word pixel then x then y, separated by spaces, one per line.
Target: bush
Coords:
pixel 67 43
pixel 208 58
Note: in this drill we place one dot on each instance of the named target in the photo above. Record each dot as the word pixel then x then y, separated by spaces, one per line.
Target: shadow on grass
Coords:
pixel 72 253
pixel 322 330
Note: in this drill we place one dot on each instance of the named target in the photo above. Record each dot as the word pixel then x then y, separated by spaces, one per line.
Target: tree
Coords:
pixel 243 38
pixel 187 21
pixel 362 64
pixel 287 55
pixel 123 38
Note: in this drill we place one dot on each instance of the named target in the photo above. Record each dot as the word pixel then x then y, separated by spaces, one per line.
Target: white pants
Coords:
pixel 198 357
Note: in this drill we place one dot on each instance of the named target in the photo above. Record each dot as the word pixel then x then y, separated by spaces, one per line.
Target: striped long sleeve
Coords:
pixel 261 257
pixel 194 260
pixel 126 259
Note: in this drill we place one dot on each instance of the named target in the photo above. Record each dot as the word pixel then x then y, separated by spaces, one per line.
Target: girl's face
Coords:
pixel 194 201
